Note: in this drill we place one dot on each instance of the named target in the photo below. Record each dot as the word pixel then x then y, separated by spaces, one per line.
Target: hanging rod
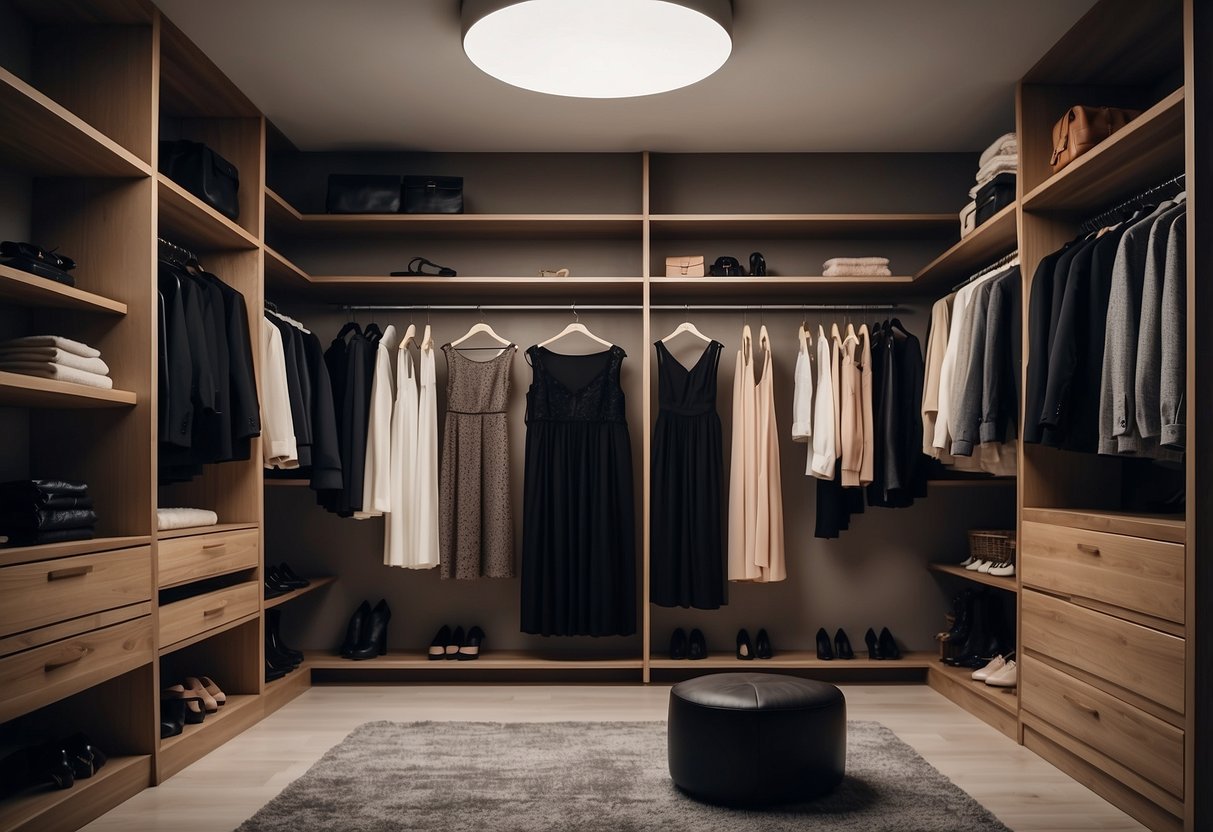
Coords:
pixel 996 265
pixel 1099 220
pixel 578 307
pixel 173 248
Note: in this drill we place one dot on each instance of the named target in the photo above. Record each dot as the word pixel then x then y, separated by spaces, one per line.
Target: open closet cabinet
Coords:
pixel 1114 688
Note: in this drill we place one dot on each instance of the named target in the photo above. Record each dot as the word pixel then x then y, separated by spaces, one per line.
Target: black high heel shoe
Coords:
pixel 762 645
pixel 86 758
pixel 279 577
pixel 438 646
pixel 286 572
pixel 824 651
pixel 874 651
pixel 374 637
pixel 452 647
pixel 469 650
pixel 697 646
pixel 353 630
pixel 745 651
pixel 678 644
pixel 888 645
pixel 842 645
pixel 758 265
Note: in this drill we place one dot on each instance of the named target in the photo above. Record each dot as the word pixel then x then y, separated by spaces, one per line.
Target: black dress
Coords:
pixel 578 526
pixel 686 553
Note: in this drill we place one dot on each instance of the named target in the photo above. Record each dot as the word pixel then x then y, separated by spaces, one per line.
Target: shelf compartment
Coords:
pixel 24 289
pixel 993 238
pixel 169 534
pixel 188 221
pixel 47 139
pixel 1144 152
pixel 196 741
pixel 764 226
pixel 758 289
pixel 281 273
pixel 1170 528
pixel 50 551
pixel 508 660
pixel 797 660
pixel 1006 584
pixel 316 583
pixel 998 707
pixel 473 290
pixel 18 390
pixel 120 778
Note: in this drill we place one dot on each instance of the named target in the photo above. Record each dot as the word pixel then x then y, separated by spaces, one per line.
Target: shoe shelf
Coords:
pixel 46 138
pixel 469 290
pixel 50 551
pixel 277 693
pixel 1169 528
pixel 993 238
pixel 23 289
pixel 1005 583
pixel 791 289
pixel 316 583
pixel 18 390
pixel 196 741
pixel 489 660
pixel 188 221
pixel 67 809
pixel 168 534
pixel 795 659
pixel 999 707
pixel 766 226
pixel 1145 151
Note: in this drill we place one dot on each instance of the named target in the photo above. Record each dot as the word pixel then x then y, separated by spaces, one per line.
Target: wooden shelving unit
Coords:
pixel 188 221
pixel 1165 527
pixel 24 289
pixel 713 226
pixel 18 390
pixel 316 583
pixel 502 660
pixel 998 707
pixel 993 238
pixel 1006 584
pixel 68 809
pixel 196 741
pixel 281 273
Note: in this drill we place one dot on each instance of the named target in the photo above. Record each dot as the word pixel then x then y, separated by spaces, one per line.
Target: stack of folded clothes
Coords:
pixel 1001 157
pixel 51 356
pixel 857 267
pixel 33 512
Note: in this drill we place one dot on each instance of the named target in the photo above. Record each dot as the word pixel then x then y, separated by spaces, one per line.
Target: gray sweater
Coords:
pixel 1175 338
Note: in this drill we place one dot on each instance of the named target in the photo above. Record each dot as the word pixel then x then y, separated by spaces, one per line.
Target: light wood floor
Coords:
pixel 223 789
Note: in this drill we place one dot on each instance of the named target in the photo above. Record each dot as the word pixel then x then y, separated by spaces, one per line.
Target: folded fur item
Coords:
pixel 83 350
pixel 857 271
pixel 1006 144
pixel 54 355
pixel 58 372
pixel 18 520
pixel 184 518
pixel 855 261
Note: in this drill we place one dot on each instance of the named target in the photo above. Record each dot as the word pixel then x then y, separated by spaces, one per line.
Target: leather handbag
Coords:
pixel 433 194
pixel 363 194
pixel 36 260
pixel 202 172
pixel 727 267
pixel 1081 128
pixel 690 266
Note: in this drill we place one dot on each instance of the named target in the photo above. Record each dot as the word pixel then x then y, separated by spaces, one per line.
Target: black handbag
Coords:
pixel 363 194
pixel 202 172
pixel 726 267
pixel 433 194
pixel 36 260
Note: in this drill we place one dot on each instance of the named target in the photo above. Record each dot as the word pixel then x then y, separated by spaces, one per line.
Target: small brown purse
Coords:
pixel 1081 128
pixel 684 266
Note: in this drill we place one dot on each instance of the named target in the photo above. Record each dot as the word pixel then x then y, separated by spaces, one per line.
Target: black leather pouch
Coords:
pixel 726 267
pixel 202 172
pixel 36 260
pixel 433 194
pixel 363 194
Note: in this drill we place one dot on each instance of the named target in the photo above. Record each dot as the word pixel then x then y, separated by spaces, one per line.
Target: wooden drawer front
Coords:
pixel 1146 576
pixel 182 619
pixel 1144 743
pixel 48 591
pixel 185 559
pixel 1138 659
pixel 33 678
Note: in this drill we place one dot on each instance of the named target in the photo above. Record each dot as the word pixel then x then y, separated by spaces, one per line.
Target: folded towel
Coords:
pixel 1007 143
pixel 968 218
pixel 58 372
pixel 25 491
pixel 83 350
pixel 857 271
pixel 55 356
pixel 40 538
pixel 855 261
pixel 184 518
pixel 18 520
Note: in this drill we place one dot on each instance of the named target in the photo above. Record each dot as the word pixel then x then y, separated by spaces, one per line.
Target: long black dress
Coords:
pixel 578 525
pixel 686 553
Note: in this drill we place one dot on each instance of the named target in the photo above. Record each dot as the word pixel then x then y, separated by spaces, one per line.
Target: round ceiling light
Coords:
pixel 598 48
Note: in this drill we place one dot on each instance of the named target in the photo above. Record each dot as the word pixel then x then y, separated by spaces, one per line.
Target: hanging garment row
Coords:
pixel 207 391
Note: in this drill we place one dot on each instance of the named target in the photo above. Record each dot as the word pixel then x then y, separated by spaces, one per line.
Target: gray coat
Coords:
pixel 1174 377
pixel 1147 375
pixel 965 420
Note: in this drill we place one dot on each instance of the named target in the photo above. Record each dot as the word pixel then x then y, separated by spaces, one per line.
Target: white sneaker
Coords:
pixel 973 567
pixel 1005 570
pixel 1007 677
pixel 986 566
pixel 965 563
pixel 997 663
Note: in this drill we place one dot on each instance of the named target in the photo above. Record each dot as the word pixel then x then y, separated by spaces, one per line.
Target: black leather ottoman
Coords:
pixel 755 738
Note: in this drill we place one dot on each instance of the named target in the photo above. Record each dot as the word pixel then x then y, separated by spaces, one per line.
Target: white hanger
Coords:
pixel 477 328
pixel 409 335
pixel 576 326
pixel 427 339
pixel 685 326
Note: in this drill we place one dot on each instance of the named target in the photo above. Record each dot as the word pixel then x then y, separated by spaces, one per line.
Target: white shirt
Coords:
pixel 278 446
pixel 825 450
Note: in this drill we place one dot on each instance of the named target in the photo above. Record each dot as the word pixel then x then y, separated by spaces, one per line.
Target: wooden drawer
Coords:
pixel 1147 745
pixel 1145 576
pixel 185 559
pixel 47 591
pixel 1140 660
pixel 37 677
pixel 183 619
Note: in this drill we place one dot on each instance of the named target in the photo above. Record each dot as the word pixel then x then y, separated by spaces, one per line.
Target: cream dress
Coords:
pixel 426 519
pixel 399 548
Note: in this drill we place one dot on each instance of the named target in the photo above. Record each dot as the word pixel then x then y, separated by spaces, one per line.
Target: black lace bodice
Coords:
pixel 575 388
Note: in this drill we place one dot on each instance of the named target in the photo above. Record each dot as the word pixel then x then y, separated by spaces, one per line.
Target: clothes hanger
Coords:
pixel 350 326
pixel 576 326
pixel 477 328
pixel 409 334
pixel 427 338
pixel 685 326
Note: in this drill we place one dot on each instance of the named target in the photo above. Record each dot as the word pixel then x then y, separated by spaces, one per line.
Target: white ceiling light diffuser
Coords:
pixel 598 48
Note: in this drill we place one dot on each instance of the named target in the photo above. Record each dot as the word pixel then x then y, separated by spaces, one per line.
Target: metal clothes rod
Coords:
pixel 673 307
pixel 1097 221
pixel 1005 260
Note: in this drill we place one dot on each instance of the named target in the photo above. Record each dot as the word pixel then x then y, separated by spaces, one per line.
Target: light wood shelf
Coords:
pixel 25 289
pixel 120 778
pixel 757 289
pixel 1144 152
pixel 471 290
pixel 1006 584
pixel 50 551
pixel 18 390
pixel 283 483
pixel 169 534
pixel 196 741
pixel 993 238
pixel 281 273
pixel 45 138
pixel 713 226
pixel 969 482
pixel 189 222
pixel 521 660
pixel 798 660
pixel 1166 527
pixel 316 583
pixel 999 707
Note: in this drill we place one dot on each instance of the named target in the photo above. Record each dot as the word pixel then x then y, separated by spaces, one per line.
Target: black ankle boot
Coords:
pixel 962 618
pixel 374 636
pixel 355 629
pixel 824 651
pixel 273 635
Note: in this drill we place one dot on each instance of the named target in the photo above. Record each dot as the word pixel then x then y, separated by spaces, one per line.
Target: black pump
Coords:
pixel 354 630
pixel 824 651
pixel 842 645
pixel 452 647
pixel 374 634
pixel 745 650
pixel 438 646
pixel 469 648
pixel 874 651
pixel 762 645
pixel 758 265
pixel 888 645
pixel 697 646
pixel 678 644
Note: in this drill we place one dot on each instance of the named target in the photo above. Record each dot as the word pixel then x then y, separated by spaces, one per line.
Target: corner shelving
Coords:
pixel 994 237
pixel 998 707
pixel 797 660
pixel 25 289
pixel 188 221
pixel 423 289
pixel 710 226
pixel 17 390
pixel 281 273
pixel 316 583
pixel 1006 584
pixel 505 660
pixel 771 288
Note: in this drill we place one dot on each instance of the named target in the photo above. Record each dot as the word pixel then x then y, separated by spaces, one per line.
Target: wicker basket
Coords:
pixel 993 545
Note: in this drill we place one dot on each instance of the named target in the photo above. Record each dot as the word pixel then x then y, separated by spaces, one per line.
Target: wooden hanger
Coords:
pixel 427 339
pixel 409 335
pixel 685 326
pixel 576 326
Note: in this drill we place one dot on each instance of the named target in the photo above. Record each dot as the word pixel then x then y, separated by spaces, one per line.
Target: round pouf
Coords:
pixel 755 738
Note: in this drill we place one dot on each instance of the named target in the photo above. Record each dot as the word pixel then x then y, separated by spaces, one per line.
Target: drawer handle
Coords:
pixel 1087 548
pixel 71 572
pixel 1093 711
pixel 214 548
pixel 215 610
pixel 71 656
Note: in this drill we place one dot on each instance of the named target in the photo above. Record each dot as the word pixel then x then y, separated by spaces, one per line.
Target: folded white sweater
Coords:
pixel 857 271
pixel 184 518
pixel 45 369
pixel 66 344
pixel 1007 143
pixel 856 261
pixel 54 356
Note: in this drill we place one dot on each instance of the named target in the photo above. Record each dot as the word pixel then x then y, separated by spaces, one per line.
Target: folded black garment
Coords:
pixel 15 520
pixel 56 536
pixel 31 490
pixel 57 501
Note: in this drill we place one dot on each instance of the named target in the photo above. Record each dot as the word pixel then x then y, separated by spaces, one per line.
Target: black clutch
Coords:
pixel 202 172
pixel 363 194
pixel 433 194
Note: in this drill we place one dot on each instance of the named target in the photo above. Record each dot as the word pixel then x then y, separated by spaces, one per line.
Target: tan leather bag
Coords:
pixel 1081 128
pixel 684 266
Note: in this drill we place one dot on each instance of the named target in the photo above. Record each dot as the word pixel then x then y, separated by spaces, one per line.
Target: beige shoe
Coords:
pixel 209 684
pixel 996 664
pixel 195 688
pixel 1007 677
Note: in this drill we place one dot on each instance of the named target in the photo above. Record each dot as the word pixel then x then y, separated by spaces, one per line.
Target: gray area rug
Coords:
pixel 587 776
